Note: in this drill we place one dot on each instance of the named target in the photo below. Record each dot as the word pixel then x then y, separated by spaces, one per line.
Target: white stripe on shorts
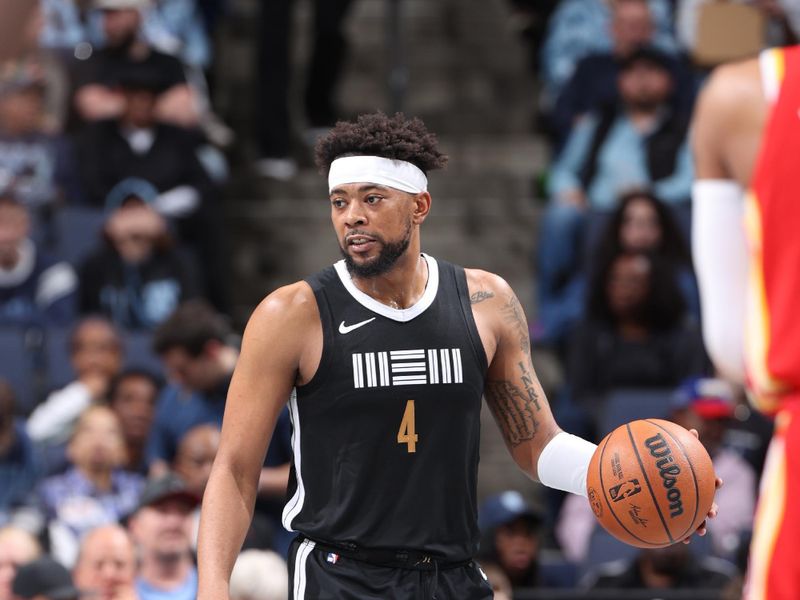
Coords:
pixel 300 561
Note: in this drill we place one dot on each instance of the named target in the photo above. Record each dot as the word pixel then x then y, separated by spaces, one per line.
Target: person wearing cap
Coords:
pixel 593 83
pixel 34 287
pixel 385 358
pixel 137 276
pixel 45 579
pixel 161 529
pixel 511 528
pixel 36 162
pixel 707 405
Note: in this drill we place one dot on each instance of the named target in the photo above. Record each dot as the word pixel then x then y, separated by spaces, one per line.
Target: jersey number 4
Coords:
pixel 407 434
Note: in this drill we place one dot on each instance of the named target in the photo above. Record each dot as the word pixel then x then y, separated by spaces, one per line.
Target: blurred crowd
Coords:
pixel 117 349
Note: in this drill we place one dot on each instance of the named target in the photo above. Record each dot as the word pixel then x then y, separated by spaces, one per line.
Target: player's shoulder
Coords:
pixel 479 280
pixel 291 305
pixel 732 85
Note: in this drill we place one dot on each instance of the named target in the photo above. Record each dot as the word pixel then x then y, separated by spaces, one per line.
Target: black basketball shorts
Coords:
pixel 317 574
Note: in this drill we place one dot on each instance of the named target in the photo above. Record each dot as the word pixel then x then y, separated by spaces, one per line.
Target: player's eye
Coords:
pixel 337 203
pixel 372 199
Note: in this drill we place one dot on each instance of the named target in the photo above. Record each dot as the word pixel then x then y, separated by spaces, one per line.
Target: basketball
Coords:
pixel 650 483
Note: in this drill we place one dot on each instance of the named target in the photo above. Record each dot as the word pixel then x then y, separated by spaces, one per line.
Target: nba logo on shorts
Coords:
pixel 332 558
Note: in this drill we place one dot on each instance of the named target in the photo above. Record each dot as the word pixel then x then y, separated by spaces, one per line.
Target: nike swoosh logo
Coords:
pixel 348 328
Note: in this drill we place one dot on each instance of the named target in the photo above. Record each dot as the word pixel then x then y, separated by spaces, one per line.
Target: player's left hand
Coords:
pixel 712 512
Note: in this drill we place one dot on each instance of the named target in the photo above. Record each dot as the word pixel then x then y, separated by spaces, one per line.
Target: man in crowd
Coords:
pixel 34 288
pixel 106 564
pixel 160 527
pixel 17 547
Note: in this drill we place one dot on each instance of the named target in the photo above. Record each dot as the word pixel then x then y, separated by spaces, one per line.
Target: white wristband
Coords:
pixel 564 462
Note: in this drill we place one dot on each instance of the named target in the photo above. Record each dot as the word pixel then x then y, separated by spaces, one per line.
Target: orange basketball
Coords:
pixel 650 483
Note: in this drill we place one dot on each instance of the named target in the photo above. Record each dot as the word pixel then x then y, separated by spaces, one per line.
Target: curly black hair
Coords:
pixel 377 134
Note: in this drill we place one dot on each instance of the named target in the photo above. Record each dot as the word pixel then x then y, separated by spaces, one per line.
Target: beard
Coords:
pixel 388 256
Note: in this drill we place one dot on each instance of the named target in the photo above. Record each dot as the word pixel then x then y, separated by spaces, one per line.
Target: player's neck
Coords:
pixel 402 286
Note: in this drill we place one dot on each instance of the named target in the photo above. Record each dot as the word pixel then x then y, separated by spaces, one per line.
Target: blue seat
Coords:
pixel 56 356
pixel 139 352
pixel 625 405
pixel 77 231
pixel 19 364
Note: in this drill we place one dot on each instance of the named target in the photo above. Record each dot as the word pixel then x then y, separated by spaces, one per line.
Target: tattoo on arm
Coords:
pixel 527 381
pixel 513 314
pixel 480 296
pixel 513 411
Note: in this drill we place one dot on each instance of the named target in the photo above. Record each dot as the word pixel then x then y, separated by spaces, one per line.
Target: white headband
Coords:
pixel 397 174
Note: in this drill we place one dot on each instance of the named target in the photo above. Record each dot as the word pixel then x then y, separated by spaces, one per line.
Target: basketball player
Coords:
pixel 746 245
pixel 389 352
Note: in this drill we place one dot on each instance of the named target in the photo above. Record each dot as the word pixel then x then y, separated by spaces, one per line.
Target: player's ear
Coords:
pixel 422 206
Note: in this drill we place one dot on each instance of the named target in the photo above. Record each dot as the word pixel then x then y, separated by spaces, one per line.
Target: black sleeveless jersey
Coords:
pixel 386 434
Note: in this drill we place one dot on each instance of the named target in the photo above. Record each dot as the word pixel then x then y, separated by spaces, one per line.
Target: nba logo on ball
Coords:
pixel 650 483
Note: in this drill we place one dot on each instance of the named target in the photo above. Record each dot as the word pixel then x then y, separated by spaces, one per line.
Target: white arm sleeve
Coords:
pixel 564 462
pixel 719 250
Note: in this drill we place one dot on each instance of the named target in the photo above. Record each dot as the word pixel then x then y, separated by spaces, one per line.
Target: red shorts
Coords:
pixel 773 572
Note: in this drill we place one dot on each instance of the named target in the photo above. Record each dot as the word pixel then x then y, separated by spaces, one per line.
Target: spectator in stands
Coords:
pixel 195 455
pixel 34 288
pixel 132 395
pixel 35 163
pixel 20 465
pixel 106 564
pixel 635 334
pixel 161 530
pixel 196 452
pixel 582 27
pixel 138 277
pixel 95 490
pixel 511 530
pixel 593 85
pixel 96 352
pixel 641 143
pixel 23 53
pixel 274 68
pixel 137 154
pixel 673 567
pixel 44 579
pixel 640 223
pixel 17 547
pixel 195 346
pixel 96 96
pixel 259 575
pixel 707 405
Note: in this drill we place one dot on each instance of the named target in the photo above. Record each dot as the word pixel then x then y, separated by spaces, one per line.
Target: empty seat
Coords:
pixel 19 364
pixel 77 231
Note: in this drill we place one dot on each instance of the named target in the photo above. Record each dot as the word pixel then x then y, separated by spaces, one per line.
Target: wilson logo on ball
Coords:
pixel 668 470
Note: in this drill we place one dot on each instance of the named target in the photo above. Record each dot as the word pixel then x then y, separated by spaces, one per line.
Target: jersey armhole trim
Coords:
pixel 326 321
pixel 466 310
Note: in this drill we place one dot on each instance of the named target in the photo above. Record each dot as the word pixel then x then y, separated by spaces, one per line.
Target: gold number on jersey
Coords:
pixel 407 434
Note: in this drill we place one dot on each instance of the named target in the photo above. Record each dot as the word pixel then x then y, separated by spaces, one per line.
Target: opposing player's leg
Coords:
pixel 773 569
